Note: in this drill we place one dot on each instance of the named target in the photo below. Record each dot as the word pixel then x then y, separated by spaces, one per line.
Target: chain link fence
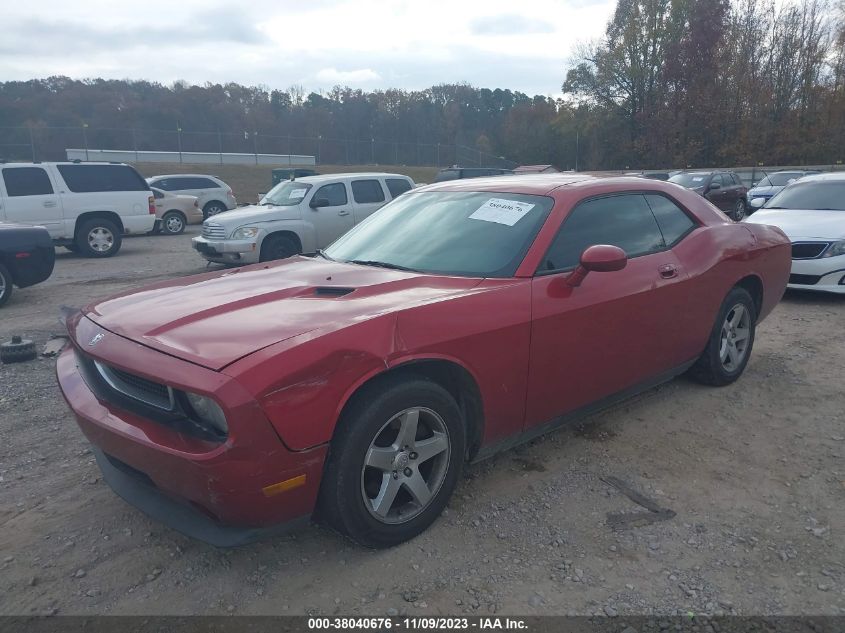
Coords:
pixel 50 143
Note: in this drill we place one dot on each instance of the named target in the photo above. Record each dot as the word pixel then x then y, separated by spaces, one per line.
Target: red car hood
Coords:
pixel 216 318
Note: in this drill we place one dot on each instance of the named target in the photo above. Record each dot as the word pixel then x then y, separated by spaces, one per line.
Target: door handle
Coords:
pixel 49 203
pixel 343 212
pixel 668 271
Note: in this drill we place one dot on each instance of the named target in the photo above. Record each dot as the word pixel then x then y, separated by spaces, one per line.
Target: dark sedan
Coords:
pixel 723 188
pixel 27 256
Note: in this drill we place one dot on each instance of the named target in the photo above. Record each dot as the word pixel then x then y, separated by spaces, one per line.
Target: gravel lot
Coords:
pixel 754 472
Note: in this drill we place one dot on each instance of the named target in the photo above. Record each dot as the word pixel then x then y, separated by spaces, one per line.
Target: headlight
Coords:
pixel 245 233
pixel 835 250
pixel 208 412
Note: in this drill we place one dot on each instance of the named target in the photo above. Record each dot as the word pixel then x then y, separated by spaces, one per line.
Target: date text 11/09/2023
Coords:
pixel 417 624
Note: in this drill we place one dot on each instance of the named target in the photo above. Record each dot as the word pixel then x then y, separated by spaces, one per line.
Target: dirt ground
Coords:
pixel 754 472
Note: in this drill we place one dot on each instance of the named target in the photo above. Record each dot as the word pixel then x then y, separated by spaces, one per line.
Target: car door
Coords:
pixel 334 218
pixel 615 331
pixel 368 195
pixel 722 196
pixel 29 197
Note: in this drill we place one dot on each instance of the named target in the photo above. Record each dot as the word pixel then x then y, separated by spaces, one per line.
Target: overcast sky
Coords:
pixel 314 43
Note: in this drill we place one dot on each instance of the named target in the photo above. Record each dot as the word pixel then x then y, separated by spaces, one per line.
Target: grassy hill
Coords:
pixel 247 181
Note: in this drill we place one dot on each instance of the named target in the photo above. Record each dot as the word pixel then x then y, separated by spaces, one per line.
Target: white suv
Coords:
pixel 86 207
pixel 297 216
pixel 213 195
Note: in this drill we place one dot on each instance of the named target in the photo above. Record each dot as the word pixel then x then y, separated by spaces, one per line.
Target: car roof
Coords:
pixel 60 162
pixel 181 175
pixel 321 178
pixel 538 184
pixel 835 176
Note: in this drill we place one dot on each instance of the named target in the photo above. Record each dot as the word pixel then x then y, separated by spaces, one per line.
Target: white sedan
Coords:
pixel 811 212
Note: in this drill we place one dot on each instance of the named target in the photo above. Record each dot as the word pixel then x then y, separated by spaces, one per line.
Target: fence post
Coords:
pixel 32 143
pixel 255 145
pixel 437 157
pixel 135 144
pixel 220 145
pixel 179 140
pixel 372 151
pixel 85 139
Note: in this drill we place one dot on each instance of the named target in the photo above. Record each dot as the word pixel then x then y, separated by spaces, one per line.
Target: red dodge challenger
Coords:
pixel 459 320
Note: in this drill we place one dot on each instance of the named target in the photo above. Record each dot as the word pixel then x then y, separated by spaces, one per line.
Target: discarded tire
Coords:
pixel 17 350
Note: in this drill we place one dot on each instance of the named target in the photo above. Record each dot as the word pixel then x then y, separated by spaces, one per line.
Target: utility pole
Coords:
pixel 577 139
pixel 372 151
pixel 32 143
pixel 220 145
pixel 135 144
pixel 179 140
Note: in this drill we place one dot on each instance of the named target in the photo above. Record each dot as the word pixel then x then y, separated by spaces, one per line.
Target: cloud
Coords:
pixel 509 24
pixel 360 76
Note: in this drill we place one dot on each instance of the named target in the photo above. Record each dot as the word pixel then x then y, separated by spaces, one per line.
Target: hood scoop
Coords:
pixel 332 291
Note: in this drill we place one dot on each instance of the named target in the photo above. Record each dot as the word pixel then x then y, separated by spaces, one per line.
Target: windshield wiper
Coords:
pixel 368 262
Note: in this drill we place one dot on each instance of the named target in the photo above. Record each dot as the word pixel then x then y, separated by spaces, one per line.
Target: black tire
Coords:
pixel 173 223
pixel 345 502
pixel 98 238
pixel 712 368
pixel 740 210
pixel 6 286
pixel 278 247
pixel 213 208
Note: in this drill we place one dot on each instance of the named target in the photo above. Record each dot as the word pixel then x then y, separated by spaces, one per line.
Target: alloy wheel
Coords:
pixel 736 333
pixel 174 224
pixel 405 465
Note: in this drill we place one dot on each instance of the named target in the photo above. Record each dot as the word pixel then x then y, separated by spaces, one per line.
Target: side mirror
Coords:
pixel 316 203
pixel 757 202
pixel 601 258
pixel 715 185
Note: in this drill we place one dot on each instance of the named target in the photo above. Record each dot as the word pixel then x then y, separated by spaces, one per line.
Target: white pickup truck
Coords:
pixel 297 216
pixel 86 207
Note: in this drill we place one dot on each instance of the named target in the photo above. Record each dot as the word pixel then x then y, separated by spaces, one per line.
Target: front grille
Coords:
pixel 804 280
pixel 808 250
pixel 141 389
pixel 213 231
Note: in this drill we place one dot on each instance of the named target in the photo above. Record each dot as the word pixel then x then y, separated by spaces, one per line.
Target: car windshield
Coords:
pixel 689 180
pixel 779 180
pixel 811 195
pixel 469 234
pixel 286 194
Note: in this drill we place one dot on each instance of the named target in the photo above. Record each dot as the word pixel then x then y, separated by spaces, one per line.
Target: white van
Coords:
pixel 86 207
pixel 297 216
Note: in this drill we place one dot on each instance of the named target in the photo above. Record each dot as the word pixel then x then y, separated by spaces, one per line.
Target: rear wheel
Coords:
pixel 394 462
pixel 98 238
pixel 213 208
pixel 5 284
pixel 278 247
pixel 729 346
pixel 739 210
pixel 173 223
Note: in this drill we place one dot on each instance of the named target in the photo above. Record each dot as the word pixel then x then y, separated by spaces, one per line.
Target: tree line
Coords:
pixel 671 83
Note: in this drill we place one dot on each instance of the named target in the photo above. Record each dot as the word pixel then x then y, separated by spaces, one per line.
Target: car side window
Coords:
pixel 727 181
pixel 27 181
pixel 158 194
pixel 365 191
pixel 203 183
pixel 397 186
pixel 624 220
pixel 673 222
pixel 335 193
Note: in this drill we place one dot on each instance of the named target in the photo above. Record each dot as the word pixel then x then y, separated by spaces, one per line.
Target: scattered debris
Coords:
pixel 55 345
pixel 635 519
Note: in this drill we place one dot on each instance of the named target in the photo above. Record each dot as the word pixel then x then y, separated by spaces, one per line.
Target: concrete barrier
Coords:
pixel 193 158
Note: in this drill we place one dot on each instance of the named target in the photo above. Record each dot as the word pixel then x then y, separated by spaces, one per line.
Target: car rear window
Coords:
pixel 92 178
pixel 27 181
pixel 397 186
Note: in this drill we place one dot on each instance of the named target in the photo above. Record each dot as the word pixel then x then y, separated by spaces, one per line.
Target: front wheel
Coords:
pixel 277 247
pixel 394 462
pixel 739 210
pixel 729 346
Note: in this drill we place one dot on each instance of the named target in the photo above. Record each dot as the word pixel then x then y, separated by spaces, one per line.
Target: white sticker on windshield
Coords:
pixel 697 178
pixel 298 193
pixel 501 211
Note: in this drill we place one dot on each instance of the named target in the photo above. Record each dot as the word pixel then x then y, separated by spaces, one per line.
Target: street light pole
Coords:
pixel 85 139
